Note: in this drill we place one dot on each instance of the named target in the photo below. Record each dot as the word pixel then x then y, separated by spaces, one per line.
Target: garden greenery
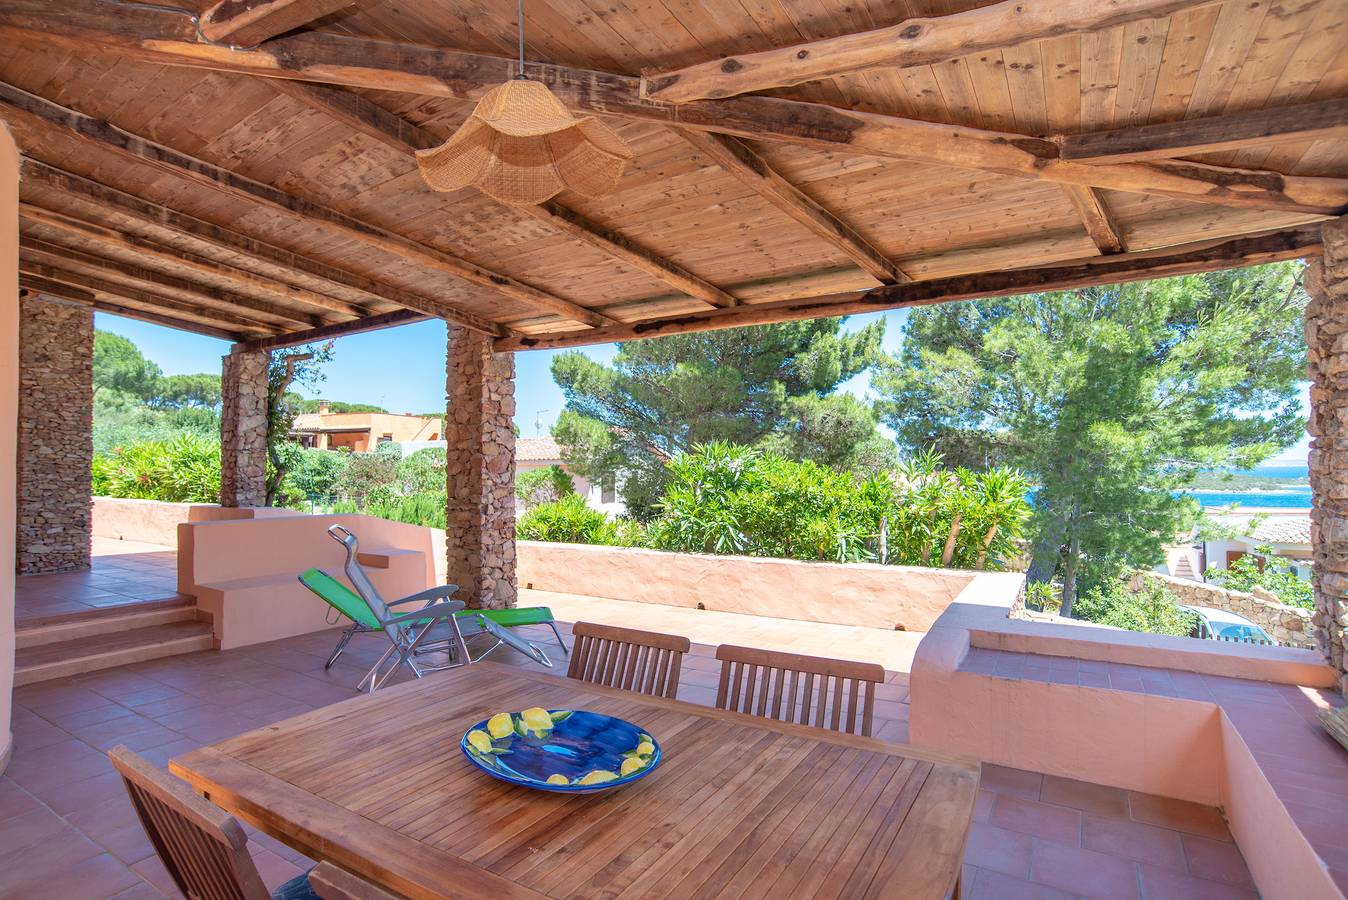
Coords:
pixel 1151 609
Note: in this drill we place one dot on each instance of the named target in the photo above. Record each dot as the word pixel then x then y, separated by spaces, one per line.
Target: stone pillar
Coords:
pixel 480 470
pixel 243 428
pixel 1326 282
pixel 56 420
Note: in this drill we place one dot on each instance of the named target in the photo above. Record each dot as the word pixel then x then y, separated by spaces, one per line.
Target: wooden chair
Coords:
pixel 203 847
pixel 643 661
pixel 790 687
pixel 332 883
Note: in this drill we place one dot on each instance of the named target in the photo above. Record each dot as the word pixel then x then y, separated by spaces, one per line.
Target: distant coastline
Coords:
pixel 1267 487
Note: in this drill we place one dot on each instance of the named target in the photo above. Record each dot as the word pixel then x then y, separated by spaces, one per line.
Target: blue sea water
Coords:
pixel 1280 498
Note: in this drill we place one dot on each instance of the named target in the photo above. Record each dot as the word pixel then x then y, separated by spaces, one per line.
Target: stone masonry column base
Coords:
pixel 243 428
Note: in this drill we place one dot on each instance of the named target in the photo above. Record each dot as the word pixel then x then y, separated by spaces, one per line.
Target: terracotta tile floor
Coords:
pixel 66 829
pixel 122 572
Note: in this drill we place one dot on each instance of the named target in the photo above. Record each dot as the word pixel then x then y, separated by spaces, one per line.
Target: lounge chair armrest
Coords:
pixel 444 610
pixel 435 593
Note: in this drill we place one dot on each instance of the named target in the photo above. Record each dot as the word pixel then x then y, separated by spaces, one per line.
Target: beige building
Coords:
pixel 361 432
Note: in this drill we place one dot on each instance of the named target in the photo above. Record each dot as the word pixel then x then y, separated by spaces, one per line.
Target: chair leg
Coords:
pixel 341 646
pixel 560 642
pixel 371 675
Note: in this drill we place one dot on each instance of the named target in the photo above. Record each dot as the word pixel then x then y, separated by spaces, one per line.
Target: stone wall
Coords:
pixel 1326 280
pixel 243 428
pixel 1289 625
pixel 480 470
pixel 55 448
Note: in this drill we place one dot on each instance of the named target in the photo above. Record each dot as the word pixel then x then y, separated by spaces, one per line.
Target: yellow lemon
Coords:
pixel 645 748
pixel 630 765
pixel 537 719
pixel 479 740
pixel 501 725
pixel 558 779
pixel 598 776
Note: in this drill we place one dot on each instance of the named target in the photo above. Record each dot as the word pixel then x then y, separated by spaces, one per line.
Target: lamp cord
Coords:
pixel 519 23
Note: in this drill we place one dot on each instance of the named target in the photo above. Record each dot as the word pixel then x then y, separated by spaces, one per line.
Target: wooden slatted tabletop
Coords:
pixel 739 806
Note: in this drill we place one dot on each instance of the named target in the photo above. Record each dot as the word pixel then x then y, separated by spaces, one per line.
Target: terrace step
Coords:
pixel 116 648
pixel 69 627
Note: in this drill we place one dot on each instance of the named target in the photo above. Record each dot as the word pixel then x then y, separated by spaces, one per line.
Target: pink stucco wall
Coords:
pixel 156 522
pixel 9 408
pixel 890 597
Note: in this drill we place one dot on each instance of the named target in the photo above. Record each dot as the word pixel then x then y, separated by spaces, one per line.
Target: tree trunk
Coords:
pixel 987 544
pixel 1069 576
pixel 949 552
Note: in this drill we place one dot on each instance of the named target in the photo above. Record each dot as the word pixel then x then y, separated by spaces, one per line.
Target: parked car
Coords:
pixel 1220 625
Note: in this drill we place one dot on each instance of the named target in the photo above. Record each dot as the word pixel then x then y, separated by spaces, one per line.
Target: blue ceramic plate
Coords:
pixel 581 752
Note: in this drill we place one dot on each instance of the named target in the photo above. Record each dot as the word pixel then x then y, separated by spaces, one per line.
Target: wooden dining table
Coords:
pixel 739 805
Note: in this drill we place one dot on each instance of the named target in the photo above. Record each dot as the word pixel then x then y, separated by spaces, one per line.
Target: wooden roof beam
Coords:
pixel 167 38
pixel 1183 259
pixel 33 284
pixel 912 42
pixel 737 159
pixel 1095 215
pixel 1215 134
pixel 80 189
pixel 331 306
pixel 207 296
pixel 373 120
pixel 20 105
pixel 341 329
pixel 244 23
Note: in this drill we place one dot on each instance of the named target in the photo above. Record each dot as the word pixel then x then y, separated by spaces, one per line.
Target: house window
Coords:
pixel 608 490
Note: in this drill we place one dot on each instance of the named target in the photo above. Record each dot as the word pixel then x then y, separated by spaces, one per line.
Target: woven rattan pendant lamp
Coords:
pixel 522 145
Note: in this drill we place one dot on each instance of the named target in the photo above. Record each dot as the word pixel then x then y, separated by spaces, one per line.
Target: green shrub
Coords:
pixel 422 473
pixel 369 477
pixel 1244 575
pixel 570 521
pixel 426 509
pixel 185 469
pixel 315 473
pixel 543 485
pixel 1152 610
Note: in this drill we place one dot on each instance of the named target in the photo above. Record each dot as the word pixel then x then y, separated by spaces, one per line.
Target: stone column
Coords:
pixel 56 420
pixel 480 470
pixel 1326 282
pixel 243 428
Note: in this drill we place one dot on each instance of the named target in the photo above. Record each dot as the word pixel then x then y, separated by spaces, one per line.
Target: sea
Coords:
pixel 1298 497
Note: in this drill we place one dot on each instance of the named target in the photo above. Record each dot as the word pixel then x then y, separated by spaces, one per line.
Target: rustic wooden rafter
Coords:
pixel 31 283
pixel 1233 131
pixel 913 42
pixel 84 190
pixel 208 296
pixel 341 329
pixel 243 23
pixel 739 160
pixel 162 253
pixel 373 120
pixel 1124 267
pixel 157 36
pixel 1095 215
pixel 25 107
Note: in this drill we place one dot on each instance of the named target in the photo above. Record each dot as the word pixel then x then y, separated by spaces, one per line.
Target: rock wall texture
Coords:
pixel 480 470
pixel 243 428
pixel 1326 281
pixel 55 440
pixel 1289 625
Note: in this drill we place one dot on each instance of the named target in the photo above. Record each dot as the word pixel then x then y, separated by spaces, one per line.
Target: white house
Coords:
pixel 538 452
pixel 1287 535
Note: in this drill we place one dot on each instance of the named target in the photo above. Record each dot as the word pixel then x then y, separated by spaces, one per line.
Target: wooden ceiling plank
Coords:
pixel 153 214
pixel 918 41
pixel 245 23
pixel 1095 215
pixel 136 296
pixel 163 37
pixel 21 105
pixel 341 329
pixel 1179 260
pixel 172 255
pixel 1215 134
pixel 373 120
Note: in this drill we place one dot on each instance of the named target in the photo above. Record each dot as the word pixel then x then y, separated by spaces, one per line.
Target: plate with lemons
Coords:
pixel 569 751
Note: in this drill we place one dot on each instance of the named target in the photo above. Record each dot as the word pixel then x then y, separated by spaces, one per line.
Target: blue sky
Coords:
pixel 403 369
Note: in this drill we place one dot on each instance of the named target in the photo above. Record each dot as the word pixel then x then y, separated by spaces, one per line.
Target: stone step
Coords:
pixel 104 651
pixel 72 626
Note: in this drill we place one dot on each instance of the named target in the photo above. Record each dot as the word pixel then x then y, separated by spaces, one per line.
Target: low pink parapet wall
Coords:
pixel 890 597
pixel 156 521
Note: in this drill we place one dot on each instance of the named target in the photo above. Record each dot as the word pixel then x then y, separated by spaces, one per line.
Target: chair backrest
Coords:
pixel 810 690
pixel 203 847
pixel 339 597
pixel 333 883
pixel 642 661
pixel 368 592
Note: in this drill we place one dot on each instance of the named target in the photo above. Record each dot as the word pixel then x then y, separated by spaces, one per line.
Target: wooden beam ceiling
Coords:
pixel 1180 260
pixel 35 285
pixel 83 190
pixel 244 23
pixel 1234 131
pixel 328 332
pixel 26 108
pixel 158 36
pixel 739 160
pixel 373 120
pixel 1094 212
pixel 913 42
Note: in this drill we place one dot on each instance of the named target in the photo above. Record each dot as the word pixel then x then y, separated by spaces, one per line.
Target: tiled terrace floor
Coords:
pixel 122 572
pixel 66 829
